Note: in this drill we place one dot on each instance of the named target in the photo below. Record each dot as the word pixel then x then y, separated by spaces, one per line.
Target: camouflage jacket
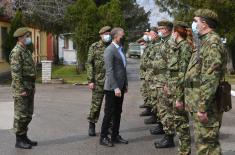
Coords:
pixel 212 69
pixel 95 63
pixel 206 69
pixel 160 62
pixel 143 60
pixel 177 66
pixel 23 70
pixel 145 68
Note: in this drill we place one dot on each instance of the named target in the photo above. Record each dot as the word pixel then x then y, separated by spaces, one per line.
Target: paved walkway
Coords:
pixel 60 124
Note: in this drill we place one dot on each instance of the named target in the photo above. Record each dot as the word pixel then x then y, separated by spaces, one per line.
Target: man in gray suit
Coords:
pixel 115 86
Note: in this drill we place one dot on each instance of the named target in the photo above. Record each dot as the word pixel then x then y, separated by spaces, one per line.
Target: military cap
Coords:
pixel 165 23
pixel 206 13
pixel 105 29
pixel 180 24
pixel 21 31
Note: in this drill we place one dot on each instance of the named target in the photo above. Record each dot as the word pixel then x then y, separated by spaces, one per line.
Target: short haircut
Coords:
pixel 210 22
pixel 115 31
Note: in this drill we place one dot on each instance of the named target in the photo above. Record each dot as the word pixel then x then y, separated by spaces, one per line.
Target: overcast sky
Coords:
pixel 155 16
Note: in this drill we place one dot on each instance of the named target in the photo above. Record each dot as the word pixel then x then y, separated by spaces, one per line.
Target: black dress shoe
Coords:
pixel 106 142
pixel 157 130
pixel 21 143
pixel 166 142
pixel 120 140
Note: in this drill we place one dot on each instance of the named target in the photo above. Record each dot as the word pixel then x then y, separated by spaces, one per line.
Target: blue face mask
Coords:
pixel 194 28
pixel 160 34
pixel 28 41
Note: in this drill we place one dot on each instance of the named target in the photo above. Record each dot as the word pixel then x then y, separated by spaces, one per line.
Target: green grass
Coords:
pixel 66 72
pixel 69 74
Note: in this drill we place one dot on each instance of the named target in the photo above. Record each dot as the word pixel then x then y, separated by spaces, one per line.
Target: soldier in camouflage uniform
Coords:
pixel 143 71
pixel 96 76
pixel 23 73
pixel 180 55
pixel 155 41
pixel 164 106
pixel 205 71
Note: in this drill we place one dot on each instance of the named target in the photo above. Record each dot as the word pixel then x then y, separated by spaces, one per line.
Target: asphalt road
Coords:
pixel 60 123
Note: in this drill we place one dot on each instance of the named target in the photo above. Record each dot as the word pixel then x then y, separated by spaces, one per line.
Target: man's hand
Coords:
pixel 91 86
pixel 118 92
pixel 179 105
pixel 202 116
pixel 24 93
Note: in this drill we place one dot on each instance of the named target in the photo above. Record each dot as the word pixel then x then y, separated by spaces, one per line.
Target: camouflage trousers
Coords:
pixel 207 135
pixel 154 101
pixel 23 111
pixel 181 120
pixel 96 103
pixel 145 92
pixel 165 111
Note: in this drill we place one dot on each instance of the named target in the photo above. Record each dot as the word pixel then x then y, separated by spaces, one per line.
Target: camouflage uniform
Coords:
pixel 143 72
pixel 164 106
pixel 154 77
pixel 177 66
pixel 23 73
pixel 96 75
pixel 202 79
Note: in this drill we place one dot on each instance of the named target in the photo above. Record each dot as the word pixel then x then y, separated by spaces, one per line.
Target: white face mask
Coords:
pixel 194 28
pixel 28 41
pixel 106 38
pixel 146 38
pixel 160 34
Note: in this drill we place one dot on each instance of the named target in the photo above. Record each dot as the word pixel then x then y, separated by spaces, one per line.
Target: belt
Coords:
pixel 192 84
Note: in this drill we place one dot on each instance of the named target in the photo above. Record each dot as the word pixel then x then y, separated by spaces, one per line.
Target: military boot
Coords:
pixel 21 143
pixel 166 142
pixel 91 130
pixel 143 106
pixel 150 120
pixel 27 140
pixel 157 130
pixel 146 112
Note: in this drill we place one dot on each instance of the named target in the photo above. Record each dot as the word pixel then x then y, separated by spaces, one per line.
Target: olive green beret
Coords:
pixel 165 23
pixel 105 29
pixel 206 13
pixel 21 31
pixel 180 24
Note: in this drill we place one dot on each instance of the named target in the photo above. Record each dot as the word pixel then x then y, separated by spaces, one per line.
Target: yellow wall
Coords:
pixel 40 52
pixel 43 45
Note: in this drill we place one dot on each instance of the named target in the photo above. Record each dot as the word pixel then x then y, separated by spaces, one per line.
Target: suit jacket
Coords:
pixel 115 71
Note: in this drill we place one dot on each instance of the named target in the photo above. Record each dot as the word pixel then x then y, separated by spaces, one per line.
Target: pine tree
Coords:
pixel 83 19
